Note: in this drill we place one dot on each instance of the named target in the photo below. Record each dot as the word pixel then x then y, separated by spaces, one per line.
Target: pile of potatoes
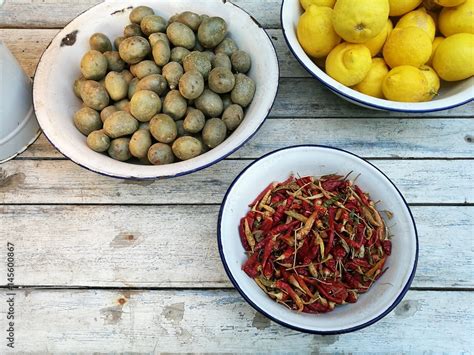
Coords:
pixel 171 91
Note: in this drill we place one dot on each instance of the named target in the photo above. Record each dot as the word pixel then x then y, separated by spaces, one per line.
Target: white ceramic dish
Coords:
pixel 382 297
pixel 55 102
pixel 450 95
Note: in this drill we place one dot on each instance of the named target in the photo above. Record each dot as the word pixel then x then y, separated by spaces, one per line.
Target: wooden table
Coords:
pixel 107 265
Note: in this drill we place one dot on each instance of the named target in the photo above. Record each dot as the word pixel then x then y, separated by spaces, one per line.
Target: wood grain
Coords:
pixel 31 181
pixel 58 321
pixel 175 246
pixel 371 138
pixel 298 96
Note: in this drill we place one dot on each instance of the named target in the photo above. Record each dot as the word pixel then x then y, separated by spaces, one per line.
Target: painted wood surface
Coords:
pixel 163 246
pixel 56 321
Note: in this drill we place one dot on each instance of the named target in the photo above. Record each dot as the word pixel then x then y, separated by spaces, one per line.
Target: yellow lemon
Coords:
pixel 348 63
pixel 454 57
pixel 449 3
pixel 315 32
pixel 459 19
pixel 435 45
pixel 407 46
pixel 375 44
pixel 433 81
pixel 307 3
pixel 406 84
pixel 358 21
pixel 418 18
pixel 401 7
pixel 372 84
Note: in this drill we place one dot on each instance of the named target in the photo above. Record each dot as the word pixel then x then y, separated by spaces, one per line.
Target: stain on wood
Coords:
pixel 126 240
pixel 112 315
pixel 12 181
pixel 260 321
pixel 407 308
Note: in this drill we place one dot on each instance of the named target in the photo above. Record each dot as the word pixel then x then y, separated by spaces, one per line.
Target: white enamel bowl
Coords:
pixel 382 297
pixel 55 102
pixel 451 94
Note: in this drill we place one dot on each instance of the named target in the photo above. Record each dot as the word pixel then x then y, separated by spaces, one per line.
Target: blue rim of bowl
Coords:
pixel 281 322
pixel 184 172
pixel 350 98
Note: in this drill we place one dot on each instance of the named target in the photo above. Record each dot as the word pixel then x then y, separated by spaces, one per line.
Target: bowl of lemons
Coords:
pixel 408 56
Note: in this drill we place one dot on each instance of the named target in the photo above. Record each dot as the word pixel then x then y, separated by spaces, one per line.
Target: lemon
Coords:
pixel 435 45
pixel 459 19
pixel 401 7
pixel 407 46
pixel 433 81
pixel 407 84
pixel 315 32
pixel 307 3
pixel 421 19
pixel 358 21
pixel 348 63
pixel 375 44
pixel 449 3
pixel 372 84
pixel 454 57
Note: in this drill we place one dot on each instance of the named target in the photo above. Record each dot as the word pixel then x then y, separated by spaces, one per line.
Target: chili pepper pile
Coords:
pixel 314 243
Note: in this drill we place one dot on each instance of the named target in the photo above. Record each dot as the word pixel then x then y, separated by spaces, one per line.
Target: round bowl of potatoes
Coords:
pixel 152 89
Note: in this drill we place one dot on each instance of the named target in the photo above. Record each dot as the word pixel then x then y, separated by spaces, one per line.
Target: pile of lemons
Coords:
pixel 357 44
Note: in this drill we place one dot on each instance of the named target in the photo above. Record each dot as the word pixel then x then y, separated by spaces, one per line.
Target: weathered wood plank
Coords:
pixel 31 181
pixel 298 95
pixel 61 321
pixel 420 138
pixel 175 246
pixel 58 13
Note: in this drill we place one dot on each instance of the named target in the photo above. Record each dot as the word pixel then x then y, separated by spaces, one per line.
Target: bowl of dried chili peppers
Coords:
pixel 317 239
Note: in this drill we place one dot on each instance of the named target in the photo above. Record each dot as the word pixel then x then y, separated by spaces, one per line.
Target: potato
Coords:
pixel 191 85
pixel 120 124
pixel 172 72
pixel 160 153
pixel 197 61
pixel 139 12
pixel 233 116
pixel 221 80
pixel 140 143
pixel 123 105
pixel 87 120
pixel 194 121
pixel 132 30
pixel 163 128
pixel 154 82
pixel 145 68
pixel 190 19
pixel 144 105
pixel 152 24
pixel 241 61
pixel 114 62
pixel 93 65
pixel 94 95
pixel 98 141
pixel 181 35
pixel 158 36
pixel 221 60
pixel 244 90
pixel 186 147
pixel 119 149
pixel 134 49
pixel 117 41
pixel 227 47
pixel 78 85
pixel 107 111
pixel 212 31
pixel 178 53
pixel 209 103
pixel 214 132
pixel 127 75
pixel 100 42
pixel 116 86
pixel 132 88
pixel 174 105
pixel 161 53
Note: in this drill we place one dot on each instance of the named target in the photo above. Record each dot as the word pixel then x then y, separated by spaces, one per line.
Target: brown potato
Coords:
pixel 161 53
pixel 119 149
pixel 94 95
pixel 120 124
pixel 140 143
pixel 152 24
pixel 87 120
pixel 212 31
pixel 144 105
pixel 114 62
pixel 134 49
pixel 181 35
pixel 191 84
pixel 214 132
pixel 233 116
pixel 139 12
pixel 93 65
pixel 160 153
pixel 221 80
pixel 116 86
pixel 153 82
pixel 145 68
pixel 163 128
pixel 209 103
pixel 172 72
pixel 100 42
pixel 186 147
pixel 244 90
pixel 98 141
pixel 174 105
